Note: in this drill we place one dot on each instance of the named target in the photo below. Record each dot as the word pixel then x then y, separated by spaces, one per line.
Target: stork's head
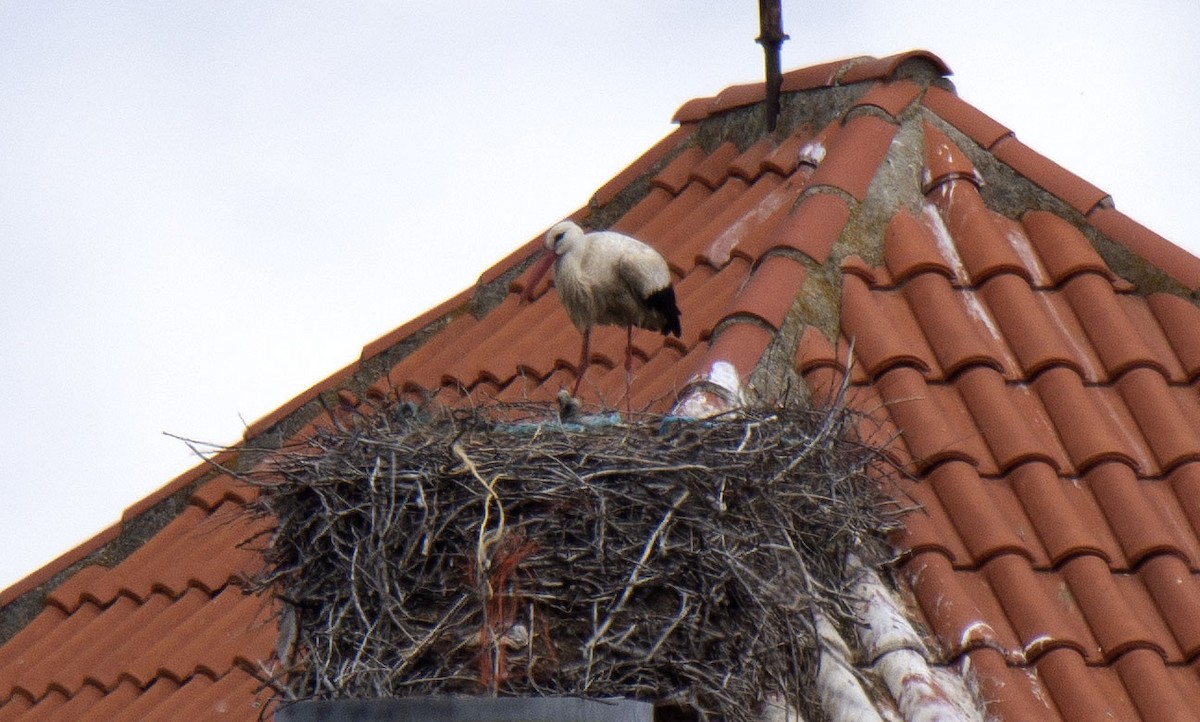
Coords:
pixel 561 237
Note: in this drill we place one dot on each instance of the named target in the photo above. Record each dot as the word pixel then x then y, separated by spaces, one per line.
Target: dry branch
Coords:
pixel 497 552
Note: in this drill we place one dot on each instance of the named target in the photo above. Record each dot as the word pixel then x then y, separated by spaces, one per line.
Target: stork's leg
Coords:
pixel 629 371
pixel 583 361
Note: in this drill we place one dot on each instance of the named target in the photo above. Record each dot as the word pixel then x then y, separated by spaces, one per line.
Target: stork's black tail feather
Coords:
pixel 663 301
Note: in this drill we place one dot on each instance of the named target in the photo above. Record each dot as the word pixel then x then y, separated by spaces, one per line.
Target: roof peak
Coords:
pixel 921 66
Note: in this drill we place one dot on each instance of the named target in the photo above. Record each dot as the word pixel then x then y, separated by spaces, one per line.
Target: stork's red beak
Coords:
pixel 535 274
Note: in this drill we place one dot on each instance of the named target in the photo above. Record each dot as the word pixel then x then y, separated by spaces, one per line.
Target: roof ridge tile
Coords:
pixel 737 96
pixel 966 118
pixel 1161 253
pixel 944 161
pixel 771 290
pixel 889 66
pixel 606 193
pixel 812 226
pixel 892 97
pixel 1070 188
pixel 813 77
pixel 855 155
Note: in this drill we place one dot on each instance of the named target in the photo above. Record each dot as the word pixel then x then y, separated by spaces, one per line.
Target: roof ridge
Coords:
pixel 912 64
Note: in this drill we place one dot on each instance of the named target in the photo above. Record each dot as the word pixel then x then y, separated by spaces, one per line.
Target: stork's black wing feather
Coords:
pixel 663 301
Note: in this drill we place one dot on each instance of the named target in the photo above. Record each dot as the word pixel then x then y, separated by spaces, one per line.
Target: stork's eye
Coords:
pixel 559 236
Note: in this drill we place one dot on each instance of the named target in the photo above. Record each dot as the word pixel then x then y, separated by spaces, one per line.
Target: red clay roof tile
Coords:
pixel 812 77
pixel 1013 693
pixel 1030 326
pixel 715 166
pixel 607 192
pixel 853 157
pixel 983 249
pixel 1121 618
pixel 1180 323
pixel 879 345
pixel 812 226
pixel 948 327
pixel 1163 425
pixel 749 164
pixel 1012 423
pixel 1070 407
pixel 1161 253
pixel 945 161
pixel 892 98
pixel 950 602
pixel 1078 693
pixel 772 288
pixel 797 147
pixel 884 68
pixel 1153 692
pixel 1138 527
pixel 1112 335
pixel 678 172
pixel 1064 516
pixel 645 210
pixel 925 528
pixel 740 343
pixel 936 438
pixel 975 124
pixel 721 237
pixel 910 248
pixel 692 111
pixel 971 506
pixel 1076 192
pixel 408 329
pixel 1042 616
pixel 736 96
pixel 1063 250
pixel 1176 593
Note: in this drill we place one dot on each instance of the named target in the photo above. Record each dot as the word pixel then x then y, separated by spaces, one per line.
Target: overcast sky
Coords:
pixel 207 207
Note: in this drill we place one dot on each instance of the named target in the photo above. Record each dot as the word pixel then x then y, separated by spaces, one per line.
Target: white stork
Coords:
pixel 608 278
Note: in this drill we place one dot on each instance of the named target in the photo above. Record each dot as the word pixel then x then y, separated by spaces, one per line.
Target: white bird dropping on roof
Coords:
pixel 607 278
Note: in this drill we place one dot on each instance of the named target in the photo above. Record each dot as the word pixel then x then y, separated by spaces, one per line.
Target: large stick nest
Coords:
pixel 674 561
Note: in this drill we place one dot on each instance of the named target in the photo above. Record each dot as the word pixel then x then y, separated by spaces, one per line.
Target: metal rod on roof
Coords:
pixel 771 37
